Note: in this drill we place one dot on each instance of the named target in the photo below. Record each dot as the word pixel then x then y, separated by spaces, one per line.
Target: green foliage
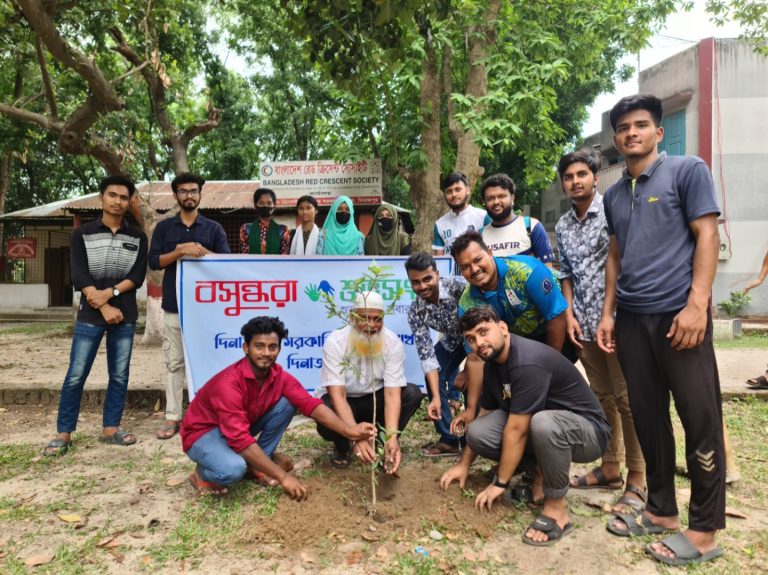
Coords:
pixel 751 14
pixel 737 300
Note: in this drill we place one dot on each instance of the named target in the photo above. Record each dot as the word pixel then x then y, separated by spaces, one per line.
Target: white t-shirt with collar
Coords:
pixel 452 225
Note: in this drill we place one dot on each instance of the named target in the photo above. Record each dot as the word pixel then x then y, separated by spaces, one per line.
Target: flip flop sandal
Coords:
pixel 56 447
pixel 637 525
pixel 685 552
pixel 549 526
pixel 168 430
pixel 636 503
pixel 522 494
pixel 759 382
pixel 440 450
pixel 214 489
pixel 602 481
pixel 121 437
pixel 340 460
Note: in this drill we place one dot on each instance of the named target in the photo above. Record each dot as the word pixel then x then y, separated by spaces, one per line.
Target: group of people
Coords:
pixel 339 235
pixel 631 301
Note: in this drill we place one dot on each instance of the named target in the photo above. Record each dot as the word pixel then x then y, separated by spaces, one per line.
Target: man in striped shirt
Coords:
pixel 108 261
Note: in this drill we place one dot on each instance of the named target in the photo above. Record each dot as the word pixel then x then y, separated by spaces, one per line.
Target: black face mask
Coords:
pixel 386 224
pixel 264 211
pixel 342 217
pixel 501 216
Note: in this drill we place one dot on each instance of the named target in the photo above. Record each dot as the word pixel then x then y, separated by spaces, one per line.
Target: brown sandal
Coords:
pixel 603 482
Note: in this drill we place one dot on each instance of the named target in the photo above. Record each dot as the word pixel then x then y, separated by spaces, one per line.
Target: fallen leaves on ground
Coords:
pixel 39 559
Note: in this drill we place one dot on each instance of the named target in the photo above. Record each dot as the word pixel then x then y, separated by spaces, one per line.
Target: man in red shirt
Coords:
pixel 252 396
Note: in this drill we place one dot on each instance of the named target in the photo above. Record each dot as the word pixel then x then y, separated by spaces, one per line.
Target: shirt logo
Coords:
pixel 512 297
pixel 547 286
pixel 506 392
pixel 653 199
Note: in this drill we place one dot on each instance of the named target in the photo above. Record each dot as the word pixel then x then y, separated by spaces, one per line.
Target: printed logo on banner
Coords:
pixel 218 294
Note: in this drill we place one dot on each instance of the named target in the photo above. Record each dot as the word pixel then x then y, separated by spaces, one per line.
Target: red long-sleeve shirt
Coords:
pixel 232 400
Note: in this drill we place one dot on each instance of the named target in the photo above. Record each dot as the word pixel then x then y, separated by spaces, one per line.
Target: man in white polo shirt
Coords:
pixel 462 218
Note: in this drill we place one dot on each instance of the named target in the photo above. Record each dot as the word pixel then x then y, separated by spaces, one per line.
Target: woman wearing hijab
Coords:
pixel 306 235
pixel 385 237
pixel 339 236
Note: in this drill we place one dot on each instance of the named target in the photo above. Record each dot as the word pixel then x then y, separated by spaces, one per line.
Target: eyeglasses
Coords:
pixel 185 193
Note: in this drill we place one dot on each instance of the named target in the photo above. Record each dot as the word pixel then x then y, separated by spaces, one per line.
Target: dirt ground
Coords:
pixel 106 509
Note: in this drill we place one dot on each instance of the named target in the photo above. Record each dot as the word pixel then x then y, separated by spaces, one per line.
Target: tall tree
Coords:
pixel 442 82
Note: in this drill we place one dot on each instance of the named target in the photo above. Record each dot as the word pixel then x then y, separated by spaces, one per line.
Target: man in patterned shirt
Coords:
pixel 524 294
pixel 109 262
pixel 583 240
pixel 436 307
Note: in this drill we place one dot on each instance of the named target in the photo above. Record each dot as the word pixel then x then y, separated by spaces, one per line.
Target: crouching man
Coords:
pixel 361 361
pixel 534 400
pixel 253 396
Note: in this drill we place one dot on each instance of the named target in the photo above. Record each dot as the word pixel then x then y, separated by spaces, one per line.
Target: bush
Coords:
pixel 732 306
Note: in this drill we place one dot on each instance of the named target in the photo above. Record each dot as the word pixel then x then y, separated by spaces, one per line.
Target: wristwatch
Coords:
pixel 498 483
pixel 115 291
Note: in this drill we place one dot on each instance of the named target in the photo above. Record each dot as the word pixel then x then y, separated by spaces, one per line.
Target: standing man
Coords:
pixel 582 240
pixel 361 360
pixel 188 233
pixel 463 217
pixel 108 262
pixel 524 294
pixel 436 307
pixel 253 396
pixel 536 401
pixel 662 259
pixel 272 238
pixel 509 234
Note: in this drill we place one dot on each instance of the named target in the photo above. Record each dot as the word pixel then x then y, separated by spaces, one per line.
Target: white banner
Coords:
pixel 218 294
pixel 326 180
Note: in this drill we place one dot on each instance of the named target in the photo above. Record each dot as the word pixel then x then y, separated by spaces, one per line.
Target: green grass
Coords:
pixel 64 328
pixel 749 340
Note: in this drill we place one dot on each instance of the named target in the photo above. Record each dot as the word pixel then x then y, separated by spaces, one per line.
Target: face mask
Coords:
pixel 342 217
pixel 264 211
pixel 386 224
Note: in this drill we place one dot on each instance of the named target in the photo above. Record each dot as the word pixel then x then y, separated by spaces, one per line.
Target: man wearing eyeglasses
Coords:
pixel 188 233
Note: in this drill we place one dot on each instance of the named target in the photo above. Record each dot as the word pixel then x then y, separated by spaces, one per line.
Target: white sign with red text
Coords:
pixel 218 294
pixel 326 180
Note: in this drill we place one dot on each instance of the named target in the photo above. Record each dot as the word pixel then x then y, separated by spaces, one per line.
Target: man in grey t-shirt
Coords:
pixel 662 259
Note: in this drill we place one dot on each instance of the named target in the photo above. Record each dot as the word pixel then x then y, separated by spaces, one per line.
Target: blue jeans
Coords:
pixel 217 463
pixel 85 344
pixel 449 368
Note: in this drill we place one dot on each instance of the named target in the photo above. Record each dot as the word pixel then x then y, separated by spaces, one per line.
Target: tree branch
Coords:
pixel 41 120
pixel 46 79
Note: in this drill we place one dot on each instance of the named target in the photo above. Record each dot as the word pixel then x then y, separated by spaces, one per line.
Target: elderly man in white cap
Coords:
pixel 361 360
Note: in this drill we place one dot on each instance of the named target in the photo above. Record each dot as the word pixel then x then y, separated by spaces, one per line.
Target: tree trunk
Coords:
pixel 479 38
pixel 425 184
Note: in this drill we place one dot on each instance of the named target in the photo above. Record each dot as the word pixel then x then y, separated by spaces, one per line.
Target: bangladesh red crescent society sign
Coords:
pixel 16 248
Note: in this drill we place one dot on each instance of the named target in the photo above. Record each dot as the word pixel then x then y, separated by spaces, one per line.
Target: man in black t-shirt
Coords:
pixel 533 400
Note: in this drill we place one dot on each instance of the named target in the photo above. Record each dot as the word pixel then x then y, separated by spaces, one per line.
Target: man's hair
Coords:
pixel 637 102
pixel 451 179
pixel 462 242
pixel 302 200
pixel 262 325
pixel 187 178
pixel 118 180
pixel 583 156
pixel 420 261
pixel 497 181
pixel 476 316
pixel 260 192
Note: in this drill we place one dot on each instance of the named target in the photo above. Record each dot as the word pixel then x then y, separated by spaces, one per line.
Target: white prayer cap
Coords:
pixel 369 300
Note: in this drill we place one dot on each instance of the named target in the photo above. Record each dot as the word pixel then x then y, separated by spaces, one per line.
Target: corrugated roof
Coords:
pixel 52 210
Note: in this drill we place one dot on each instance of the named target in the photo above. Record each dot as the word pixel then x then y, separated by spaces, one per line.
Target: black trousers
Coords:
pixel 653 370
pixel 362 410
